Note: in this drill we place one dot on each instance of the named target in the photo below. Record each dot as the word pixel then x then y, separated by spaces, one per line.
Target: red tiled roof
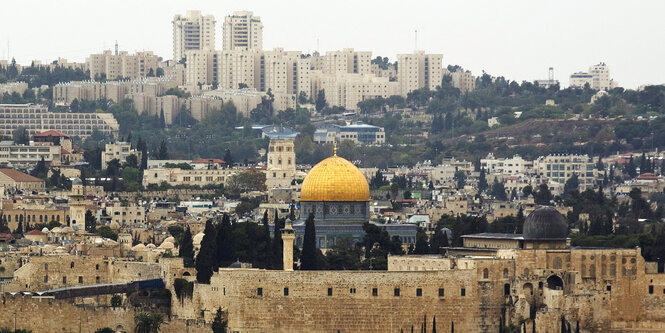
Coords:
pixel 35 232
pixel 6 236
pixel 64 151
pixel 19 176
pixel 208 160
pixel 52 133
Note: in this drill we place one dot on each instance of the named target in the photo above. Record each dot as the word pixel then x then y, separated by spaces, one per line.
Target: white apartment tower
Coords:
pixel 419 70
pixel 598 78
pixel 192 31
pixel 242 31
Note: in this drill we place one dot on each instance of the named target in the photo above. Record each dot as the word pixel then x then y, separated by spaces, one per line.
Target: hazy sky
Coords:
pixel 516 39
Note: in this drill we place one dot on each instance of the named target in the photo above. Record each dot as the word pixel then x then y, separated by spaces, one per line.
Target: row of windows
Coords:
pixel 64 279
pixel 42 218
pixel 375 292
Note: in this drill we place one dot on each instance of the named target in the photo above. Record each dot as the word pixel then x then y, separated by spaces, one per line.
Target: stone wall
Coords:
pixel 47 315
pixel 360 301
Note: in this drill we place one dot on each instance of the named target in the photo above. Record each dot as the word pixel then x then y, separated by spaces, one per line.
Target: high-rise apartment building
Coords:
pixel 122 65
pixel 233 68
pixel 419 70
pixel 343 62
pixel 282 72
pixel 199 68
pixel 242 31
pixel 192 31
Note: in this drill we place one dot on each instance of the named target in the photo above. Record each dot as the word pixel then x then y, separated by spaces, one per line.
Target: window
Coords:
pixel 80 279
pixel 419 291
pixel 375 291
pixel 486 273
pixel 97 279
pixel 71 265
pixel 259 291
pixel 463 292
pixel 45 278
pixel 286 291
pixel 441 292
pixel 97 267
pixel 609 288
pixel 352 290
pixel 396 291
pixel 650 289
pixel 46 267
pixel 64 280
pixel 329 291
pixel 506 289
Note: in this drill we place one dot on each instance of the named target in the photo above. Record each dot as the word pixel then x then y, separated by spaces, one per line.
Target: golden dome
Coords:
pixel 335 179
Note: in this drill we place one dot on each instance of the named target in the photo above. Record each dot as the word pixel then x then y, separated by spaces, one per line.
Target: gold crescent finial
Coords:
pixel 334 148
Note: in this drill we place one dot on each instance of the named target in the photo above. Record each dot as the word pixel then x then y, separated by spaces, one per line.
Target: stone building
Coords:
pixel 281 168
pixel 192 31
pixel 419 70
pixel 242 31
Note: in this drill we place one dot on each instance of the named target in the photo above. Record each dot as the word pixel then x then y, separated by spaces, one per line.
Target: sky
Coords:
pixel 517 39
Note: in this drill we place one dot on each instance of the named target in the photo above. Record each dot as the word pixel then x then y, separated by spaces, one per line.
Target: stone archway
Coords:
pixel 554 282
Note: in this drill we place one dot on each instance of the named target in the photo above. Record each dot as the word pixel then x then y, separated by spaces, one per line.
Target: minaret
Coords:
pixel 288 235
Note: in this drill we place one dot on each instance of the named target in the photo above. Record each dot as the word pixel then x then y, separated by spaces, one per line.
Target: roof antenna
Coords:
pixel 416 41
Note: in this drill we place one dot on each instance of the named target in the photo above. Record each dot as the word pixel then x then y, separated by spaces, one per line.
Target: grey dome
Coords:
pixel 545 223
pixel 77 181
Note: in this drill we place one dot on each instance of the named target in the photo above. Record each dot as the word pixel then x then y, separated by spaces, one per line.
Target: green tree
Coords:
pixel 225 244
pixel 147 322
pixel 187 248
pixel 482 181
pixel 106 232
pixel 309 260
pixel 228 158
pixel 321 101
pixel 499 190
pixel 206 263
pixel 343 255
pixel 162 152
pixel 21 136
pixel 460 177
pixel 116 300
pixel 422 244
pixel 40 170
pixel 631 169
pixel 90 221
pixel 543 196
pixel 220 323
pixel 572 184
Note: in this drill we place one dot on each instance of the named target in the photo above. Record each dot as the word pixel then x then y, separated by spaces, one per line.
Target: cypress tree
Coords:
pixel 225 247
pixel 187 248
pixel 434 325
pixel 309 258
pixel 422 245
pixel 482 181
pixel 277 245
pixel 205 261
pixel 19 229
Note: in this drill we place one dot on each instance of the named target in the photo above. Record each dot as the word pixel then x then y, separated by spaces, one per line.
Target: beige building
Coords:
pixel 463 80
pixel 281 167
pixel 419 70
pixel 559 168
pixel 122 65
pixel 235 67
pixel 116 91
pixel 13 87
pixel 346 61
pixel 192 32
pixel 242 31
pixel 37 119
pixel 176 176
pixel 346 90
pixel 199 70
pixel 118 151
pixel 125 216
pixel 14 179
pixel 21 156
pixel 245 100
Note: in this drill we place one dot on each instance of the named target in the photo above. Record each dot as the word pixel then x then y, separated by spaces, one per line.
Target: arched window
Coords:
pixel 505 273
pixel 486 273
pixel 526 272
pixel 71 265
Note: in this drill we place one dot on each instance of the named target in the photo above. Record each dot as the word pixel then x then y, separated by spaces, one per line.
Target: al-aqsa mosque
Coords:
pixel 337 193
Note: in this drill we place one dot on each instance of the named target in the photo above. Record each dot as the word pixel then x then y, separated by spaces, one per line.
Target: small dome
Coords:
pixel 77 181
pixel 98 241
pixel 151 246
pixel 114 225
pixel 68 230
pixel 56 230
pixel 169 239
pixel 138 247
pixel 45 230
pixel 545 223
pixel 167 245
pixel 110 243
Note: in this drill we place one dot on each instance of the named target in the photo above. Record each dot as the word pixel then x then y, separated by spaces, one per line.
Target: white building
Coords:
pixel 242 31
pixel 192 31
pixel 118 151
pixel 598 78
pixel 419 70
